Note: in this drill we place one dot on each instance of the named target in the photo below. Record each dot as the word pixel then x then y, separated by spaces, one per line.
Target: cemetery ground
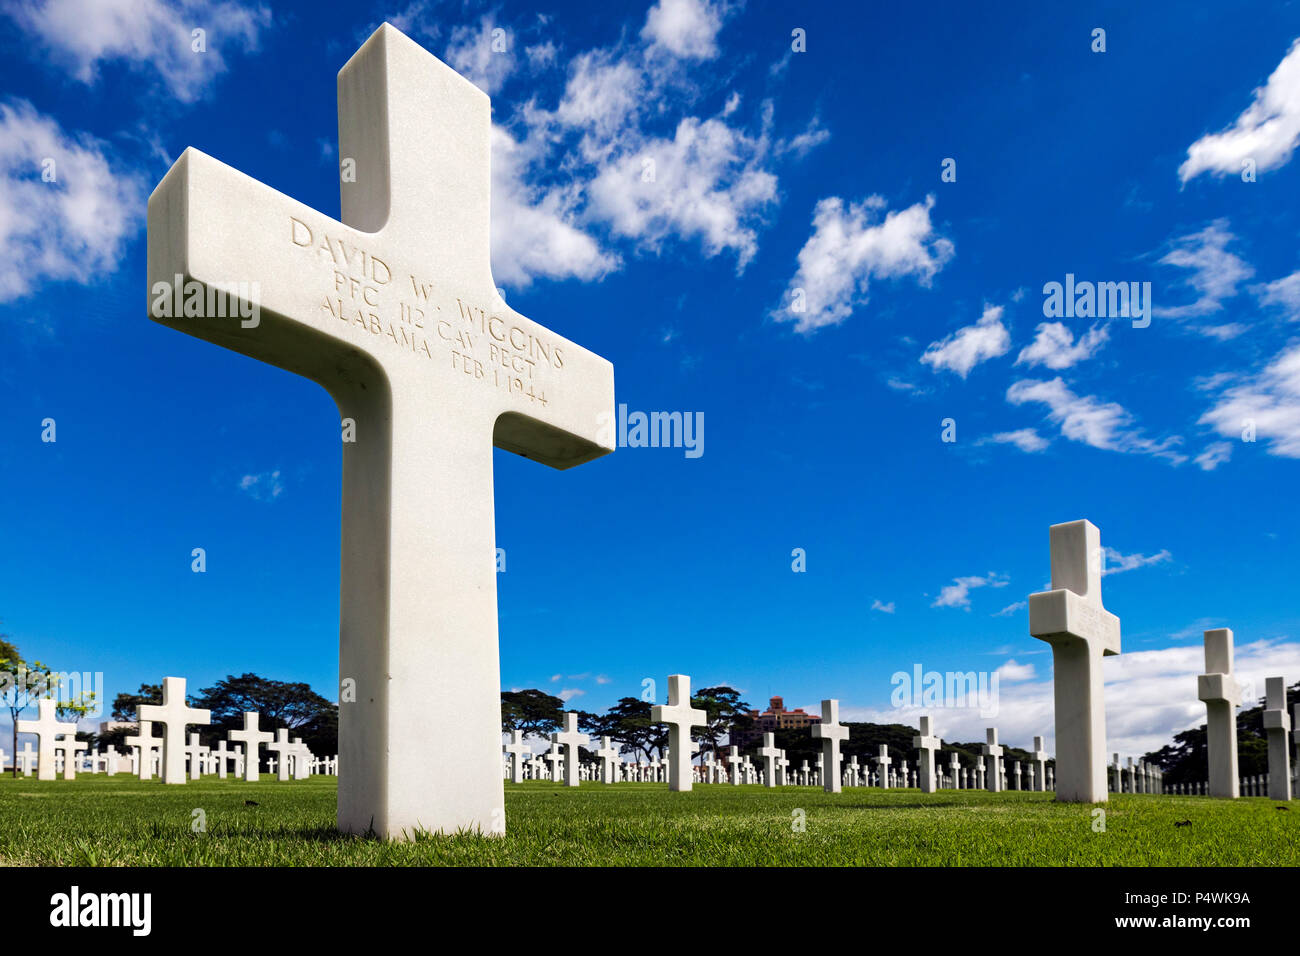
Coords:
pixel 120 821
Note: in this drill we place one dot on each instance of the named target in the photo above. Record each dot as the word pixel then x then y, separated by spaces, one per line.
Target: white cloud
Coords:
pixel 1013 671
pixel 74 228
pixel 850 247
pixel 481 55
pixel 1086 419
pixel 1283 293
pixel 1054 346
pixel 1267 131
pixel 1269 401
pixel 569 693
pixel 709 182
pixel 535 230
pixel 957 594
pixel 685 28
pixel 1117 563
pixel 879 605
pixel 265 486
pixel 968 346
pixel 1215 272
pixel 146 35
pixel 1012 609
pixel 1026 439
pixel 1214 455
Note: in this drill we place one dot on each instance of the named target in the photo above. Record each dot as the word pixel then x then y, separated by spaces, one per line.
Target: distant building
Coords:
pixel 776 717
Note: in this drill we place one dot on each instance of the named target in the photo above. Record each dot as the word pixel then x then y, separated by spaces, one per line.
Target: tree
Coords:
pixel 533 712
pixel 291 705
pixel 725 711
pixel 628 723
pixel 22 683
pixel 124 705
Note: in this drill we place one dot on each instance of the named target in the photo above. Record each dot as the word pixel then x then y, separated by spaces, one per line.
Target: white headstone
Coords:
pixel 1038 769
pixel 993 773
pixel 174 715
pixel 517 750
pixel 770 754
pixel 48 729
pixel 252 739
pixel 680 718
pixel 926 744
pixel 1221 693
pixel 283 749
pixel 1277 724
pixel 1071 618
pixel 570 739
pixel 831 733
pixel 395 313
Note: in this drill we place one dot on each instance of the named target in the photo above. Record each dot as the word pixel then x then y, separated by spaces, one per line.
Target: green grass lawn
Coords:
pixel 99 821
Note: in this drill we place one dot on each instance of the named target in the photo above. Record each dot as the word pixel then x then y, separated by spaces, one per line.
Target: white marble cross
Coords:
pixel 1277 725
pixel 196 752
pixel 143 743
pixel 831 733
pixel 954 764
pixel 926 744
pixel 555 756
pixel 283 749
pixel 174 715
pixel 882 767
pixel 571 740
pixel 1038 756
pixel 608 755
pixel 770 754
pixel 252 739
pixel 301 759
pixel 26 759
pixel 1071 619
pixel 517 751
pixel 48 728
pixel 680 718
pixel 395 313
pixel 993 780
pixel 70 746
pixel 1221 693
pixel 734 762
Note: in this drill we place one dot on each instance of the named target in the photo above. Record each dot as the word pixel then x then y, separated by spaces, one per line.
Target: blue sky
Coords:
pixel 778 175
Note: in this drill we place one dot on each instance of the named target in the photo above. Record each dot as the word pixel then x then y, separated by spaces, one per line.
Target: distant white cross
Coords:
pixel 517 750
pixel 770 754
pixel 993 778
pixel 571 740
pixel 1039 757
pixel 831 733
pixel 882 764
pixel 608 755
pixel 252 738
pixel 283 749
pixel 927 744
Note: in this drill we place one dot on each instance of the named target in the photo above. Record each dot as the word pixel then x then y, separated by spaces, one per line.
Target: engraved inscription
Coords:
pixel 368 293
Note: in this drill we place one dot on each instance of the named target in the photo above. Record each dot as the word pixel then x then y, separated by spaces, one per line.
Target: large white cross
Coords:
pixel 1071 619
pixel 252 738
pixel 395 313
pixel 831 733
pixel 48 728
pixel 174 715
pixel 680 718
pixel 926 744
pixel 517 749
pixel 571 740
pixel 1221 693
